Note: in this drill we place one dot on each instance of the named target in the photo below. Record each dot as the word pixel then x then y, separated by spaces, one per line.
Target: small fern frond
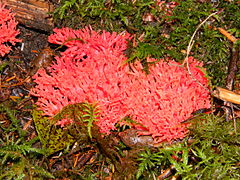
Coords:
pixel 142 52
pixel 90 116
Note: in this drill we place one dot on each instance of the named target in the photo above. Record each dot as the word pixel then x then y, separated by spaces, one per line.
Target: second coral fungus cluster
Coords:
pixel 8 30
pixel 93 69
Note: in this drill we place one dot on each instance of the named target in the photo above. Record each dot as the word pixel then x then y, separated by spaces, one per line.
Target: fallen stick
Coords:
pixel 227 95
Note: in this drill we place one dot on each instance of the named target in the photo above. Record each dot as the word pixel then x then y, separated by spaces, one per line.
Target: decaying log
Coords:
pixel 32 13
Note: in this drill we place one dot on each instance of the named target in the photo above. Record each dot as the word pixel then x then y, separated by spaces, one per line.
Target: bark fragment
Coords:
pixel 32 13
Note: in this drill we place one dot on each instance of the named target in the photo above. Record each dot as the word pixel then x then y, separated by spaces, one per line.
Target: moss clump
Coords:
pixel 212 152
pixel 55 138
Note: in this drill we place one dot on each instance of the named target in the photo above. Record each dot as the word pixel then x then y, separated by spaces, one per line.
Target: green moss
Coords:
pixel 53 138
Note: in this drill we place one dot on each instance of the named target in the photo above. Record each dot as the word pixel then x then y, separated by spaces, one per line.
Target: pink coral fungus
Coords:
pixel 8 30
pixel 92 69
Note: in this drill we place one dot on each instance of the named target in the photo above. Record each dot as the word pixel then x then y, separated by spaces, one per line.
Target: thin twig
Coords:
pixel 190 44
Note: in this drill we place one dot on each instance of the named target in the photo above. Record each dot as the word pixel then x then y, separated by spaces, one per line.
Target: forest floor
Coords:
pixel 210 151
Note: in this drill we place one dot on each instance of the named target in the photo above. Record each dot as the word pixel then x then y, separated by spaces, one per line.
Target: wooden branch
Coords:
pixel 32 13
pixel 227 95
